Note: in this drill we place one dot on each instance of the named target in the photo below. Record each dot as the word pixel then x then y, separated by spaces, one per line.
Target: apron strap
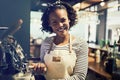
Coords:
pixel 51 45
pixel 70 45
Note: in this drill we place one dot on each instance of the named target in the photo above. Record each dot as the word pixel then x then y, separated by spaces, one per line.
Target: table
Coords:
pixel 98 68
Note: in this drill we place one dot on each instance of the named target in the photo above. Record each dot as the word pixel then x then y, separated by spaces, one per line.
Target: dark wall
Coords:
pixel 10 12
pixel 101 28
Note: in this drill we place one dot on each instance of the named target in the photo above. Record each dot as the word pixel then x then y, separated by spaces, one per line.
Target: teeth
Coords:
pixel 62 28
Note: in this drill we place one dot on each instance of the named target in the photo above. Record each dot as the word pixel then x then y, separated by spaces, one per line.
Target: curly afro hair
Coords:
pixel 52 7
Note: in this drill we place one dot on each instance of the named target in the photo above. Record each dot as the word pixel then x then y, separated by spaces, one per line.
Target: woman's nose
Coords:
pixel 60 24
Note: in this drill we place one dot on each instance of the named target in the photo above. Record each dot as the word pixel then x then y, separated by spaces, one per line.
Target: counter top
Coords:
pixel 98 68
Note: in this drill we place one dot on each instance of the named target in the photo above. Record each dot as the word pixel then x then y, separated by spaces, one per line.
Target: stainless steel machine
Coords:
pixel 13 61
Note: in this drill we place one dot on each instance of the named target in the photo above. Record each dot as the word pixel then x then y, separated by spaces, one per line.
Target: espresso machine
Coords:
pixel 12 56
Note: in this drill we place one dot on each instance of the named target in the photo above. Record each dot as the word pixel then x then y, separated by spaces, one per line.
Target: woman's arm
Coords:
pixel 81 66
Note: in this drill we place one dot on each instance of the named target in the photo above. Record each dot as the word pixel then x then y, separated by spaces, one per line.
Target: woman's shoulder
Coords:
pixel 80 39
pixel 80 45
pixel 48 40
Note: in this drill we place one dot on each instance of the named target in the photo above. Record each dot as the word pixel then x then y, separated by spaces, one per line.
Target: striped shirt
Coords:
pixel 80 47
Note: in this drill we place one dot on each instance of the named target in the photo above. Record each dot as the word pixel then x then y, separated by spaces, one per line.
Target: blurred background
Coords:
pixel 98 20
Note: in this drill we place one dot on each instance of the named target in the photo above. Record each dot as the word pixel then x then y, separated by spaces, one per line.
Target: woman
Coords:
pixel 63 56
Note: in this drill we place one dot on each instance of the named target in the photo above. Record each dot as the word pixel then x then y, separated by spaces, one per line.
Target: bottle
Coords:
pixel 98 56
pixel 114 49
pixel 111 60
pixel 118 44
pixel 118 40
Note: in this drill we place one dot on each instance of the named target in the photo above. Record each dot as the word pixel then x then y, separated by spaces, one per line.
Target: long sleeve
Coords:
pixel 80 47
pixel 44 47
pixel 42 52
pixel 81 66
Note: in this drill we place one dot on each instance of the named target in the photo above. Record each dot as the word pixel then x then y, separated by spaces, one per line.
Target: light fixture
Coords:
pixel 102 3
pixel 3 28
pixel 44 4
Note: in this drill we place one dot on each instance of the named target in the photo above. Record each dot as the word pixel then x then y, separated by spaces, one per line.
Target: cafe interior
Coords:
pixel 20 27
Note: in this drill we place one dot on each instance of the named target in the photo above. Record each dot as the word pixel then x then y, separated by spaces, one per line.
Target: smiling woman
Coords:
pixel 63 56
pixel 59 22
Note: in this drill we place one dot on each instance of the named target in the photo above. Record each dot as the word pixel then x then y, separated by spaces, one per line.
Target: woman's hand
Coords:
pixel 39 67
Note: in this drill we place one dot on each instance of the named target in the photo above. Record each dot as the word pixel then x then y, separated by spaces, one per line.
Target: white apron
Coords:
pixel 60 63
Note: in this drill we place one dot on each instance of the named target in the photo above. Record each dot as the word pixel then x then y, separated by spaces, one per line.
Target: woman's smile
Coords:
pixel 59 22
pixel 61 29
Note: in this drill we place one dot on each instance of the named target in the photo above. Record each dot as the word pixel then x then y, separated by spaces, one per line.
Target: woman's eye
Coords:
pixel 63 20
pixel 53 22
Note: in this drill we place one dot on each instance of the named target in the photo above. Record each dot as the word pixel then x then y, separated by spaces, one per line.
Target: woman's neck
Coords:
pixel 58 40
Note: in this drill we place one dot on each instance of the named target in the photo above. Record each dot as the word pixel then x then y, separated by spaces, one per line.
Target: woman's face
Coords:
pixel 59 22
